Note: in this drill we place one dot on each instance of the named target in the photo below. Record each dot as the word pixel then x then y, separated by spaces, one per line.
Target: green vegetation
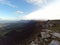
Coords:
pixel 2 34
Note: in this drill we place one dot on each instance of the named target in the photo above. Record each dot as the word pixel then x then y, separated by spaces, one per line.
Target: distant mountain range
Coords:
pixel 7 21
pixel 14 21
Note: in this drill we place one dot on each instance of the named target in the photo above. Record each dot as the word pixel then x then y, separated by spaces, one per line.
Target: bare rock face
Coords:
pixel 56 34
pixel 31 33
pixel 54 42
pixel 47 37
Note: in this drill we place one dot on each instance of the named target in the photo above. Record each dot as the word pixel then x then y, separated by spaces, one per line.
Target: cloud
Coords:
pixel 6 2
pixel 50 12
pixel 19 12
pixel 37 2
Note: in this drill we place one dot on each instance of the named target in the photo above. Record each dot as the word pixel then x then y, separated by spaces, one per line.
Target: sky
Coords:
pixel 29 9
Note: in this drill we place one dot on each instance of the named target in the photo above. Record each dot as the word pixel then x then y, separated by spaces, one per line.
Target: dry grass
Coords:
pixel 55 28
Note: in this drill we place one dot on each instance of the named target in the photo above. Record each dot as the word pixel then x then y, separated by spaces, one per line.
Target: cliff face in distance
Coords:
pixel 29 32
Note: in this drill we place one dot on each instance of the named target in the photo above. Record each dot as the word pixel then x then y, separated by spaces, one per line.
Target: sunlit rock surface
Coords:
pixel 56 34
pixel 54 42
pixel 48 37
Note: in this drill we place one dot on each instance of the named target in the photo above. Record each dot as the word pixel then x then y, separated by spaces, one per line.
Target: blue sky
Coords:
pixel 15 8
pixel 19 9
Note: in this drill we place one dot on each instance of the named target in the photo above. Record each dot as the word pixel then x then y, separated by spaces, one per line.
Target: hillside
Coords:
pixel 49 31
